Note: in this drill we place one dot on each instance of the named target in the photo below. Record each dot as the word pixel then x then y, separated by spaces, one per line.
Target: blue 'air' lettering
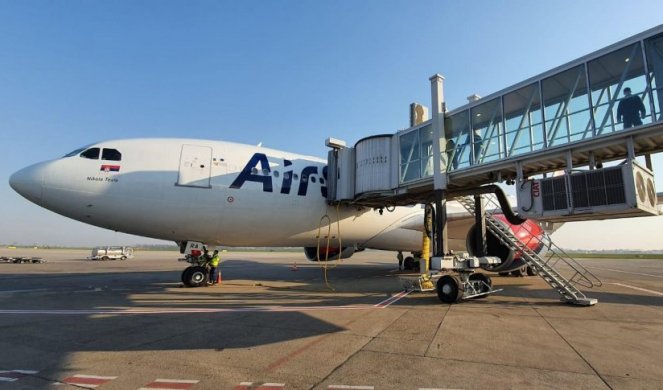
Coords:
pixel 323 188
pixel 251 172
pixel 248 175
pixel 303 182
pixel 287 178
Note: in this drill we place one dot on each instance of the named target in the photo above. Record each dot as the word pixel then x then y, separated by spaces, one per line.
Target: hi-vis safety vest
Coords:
pixel 214 261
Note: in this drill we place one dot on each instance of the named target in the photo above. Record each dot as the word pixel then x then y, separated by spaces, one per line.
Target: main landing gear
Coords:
pixel 195 276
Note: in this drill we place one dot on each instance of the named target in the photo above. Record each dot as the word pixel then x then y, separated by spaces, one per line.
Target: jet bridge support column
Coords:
pixel 439 163
pixel 480 231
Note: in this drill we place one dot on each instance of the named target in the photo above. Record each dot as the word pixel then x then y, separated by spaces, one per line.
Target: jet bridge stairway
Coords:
pixel 549 268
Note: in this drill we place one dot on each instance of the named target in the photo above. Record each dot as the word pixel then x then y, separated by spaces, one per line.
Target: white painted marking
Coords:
pixel 638 288
pixel 350 387
pixel 14 375
pixel 108 378
pixel 626 272
pixel 392 299
pixel 177 380
pixel 134 311
pixel 26 372
pixel 260 385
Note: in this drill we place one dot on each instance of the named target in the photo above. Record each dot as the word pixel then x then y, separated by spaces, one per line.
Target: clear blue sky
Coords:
pixel 284 73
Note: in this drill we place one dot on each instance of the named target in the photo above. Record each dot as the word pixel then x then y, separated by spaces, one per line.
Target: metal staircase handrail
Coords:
pixel 545 267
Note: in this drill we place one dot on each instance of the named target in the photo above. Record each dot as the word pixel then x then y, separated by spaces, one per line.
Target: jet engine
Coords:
pixel 328 253
pixel 529 232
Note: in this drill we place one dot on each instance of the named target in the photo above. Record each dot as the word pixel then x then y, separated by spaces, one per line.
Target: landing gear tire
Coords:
pixel 195 276
pixel 486 285
pixel 531 271
pixel 185 275
pixel 408 263
pixel 520 272
pixel 449 289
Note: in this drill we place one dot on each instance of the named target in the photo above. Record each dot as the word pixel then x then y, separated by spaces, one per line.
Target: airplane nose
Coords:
pixel 28 182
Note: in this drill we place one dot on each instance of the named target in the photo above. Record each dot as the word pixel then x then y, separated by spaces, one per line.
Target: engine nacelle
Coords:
pixel 529 232
pixel 331 253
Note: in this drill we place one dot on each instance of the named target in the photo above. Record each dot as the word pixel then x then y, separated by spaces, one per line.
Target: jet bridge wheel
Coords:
pixel 449 289
pixel 485 286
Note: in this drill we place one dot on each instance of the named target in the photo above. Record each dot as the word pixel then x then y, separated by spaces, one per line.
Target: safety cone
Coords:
pixel 294 267
pixel 218 277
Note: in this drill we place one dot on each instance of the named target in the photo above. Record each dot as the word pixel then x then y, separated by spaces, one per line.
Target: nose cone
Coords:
pixel 28 182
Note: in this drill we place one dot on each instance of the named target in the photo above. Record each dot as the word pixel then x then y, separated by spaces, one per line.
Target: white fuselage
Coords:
pixel 214 192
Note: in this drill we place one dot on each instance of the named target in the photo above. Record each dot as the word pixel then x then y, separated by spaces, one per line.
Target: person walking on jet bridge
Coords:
pixel 213 265
pixel 630 109
pixel 477 142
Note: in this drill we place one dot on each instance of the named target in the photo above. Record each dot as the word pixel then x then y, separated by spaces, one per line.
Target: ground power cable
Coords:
pixel 325 263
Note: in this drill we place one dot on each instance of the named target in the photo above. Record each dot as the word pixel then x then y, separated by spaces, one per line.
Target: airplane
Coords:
pixel 231 194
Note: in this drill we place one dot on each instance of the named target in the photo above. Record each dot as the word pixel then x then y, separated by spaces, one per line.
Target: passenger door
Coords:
pixel 195 166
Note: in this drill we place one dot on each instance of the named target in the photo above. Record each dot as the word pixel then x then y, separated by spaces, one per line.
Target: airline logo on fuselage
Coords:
pixel 263 175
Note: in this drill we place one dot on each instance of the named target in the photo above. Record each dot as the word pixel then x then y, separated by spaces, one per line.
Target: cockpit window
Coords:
pixel 92 154
pixel 111 155
pixel 75 152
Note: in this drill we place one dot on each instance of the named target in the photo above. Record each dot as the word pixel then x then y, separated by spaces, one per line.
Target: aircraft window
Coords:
pixel 92 154
pixel 286 176
pixel 276 173
pixel 304 178
pixel 265 171
pixel 75 152
pixel 295 177
pixel 322 181
pixel 313 179
pixel 254 171
pixel 111 155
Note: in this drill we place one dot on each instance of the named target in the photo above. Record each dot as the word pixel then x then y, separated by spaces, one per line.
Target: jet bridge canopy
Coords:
pixel 565 118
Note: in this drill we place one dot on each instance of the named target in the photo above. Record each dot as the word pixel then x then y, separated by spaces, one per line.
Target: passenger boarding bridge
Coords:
pixel 560 120
pixel 568 121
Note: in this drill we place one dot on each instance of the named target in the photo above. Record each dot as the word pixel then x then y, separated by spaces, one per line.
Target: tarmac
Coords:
pixel 274 323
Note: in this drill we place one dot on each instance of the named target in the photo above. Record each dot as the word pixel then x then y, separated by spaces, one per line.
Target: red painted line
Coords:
pixel 84 381
pixel 88 380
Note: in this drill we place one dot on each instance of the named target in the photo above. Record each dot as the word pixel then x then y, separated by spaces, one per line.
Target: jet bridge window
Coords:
pixel 92 154
pixel 111 155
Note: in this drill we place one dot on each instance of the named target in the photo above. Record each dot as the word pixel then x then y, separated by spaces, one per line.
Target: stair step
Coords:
pixel 565 287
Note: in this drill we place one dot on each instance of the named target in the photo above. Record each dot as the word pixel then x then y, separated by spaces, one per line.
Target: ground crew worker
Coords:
pixel 213 265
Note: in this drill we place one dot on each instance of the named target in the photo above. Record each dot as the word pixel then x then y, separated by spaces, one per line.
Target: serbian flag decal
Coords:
pixel 110 168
